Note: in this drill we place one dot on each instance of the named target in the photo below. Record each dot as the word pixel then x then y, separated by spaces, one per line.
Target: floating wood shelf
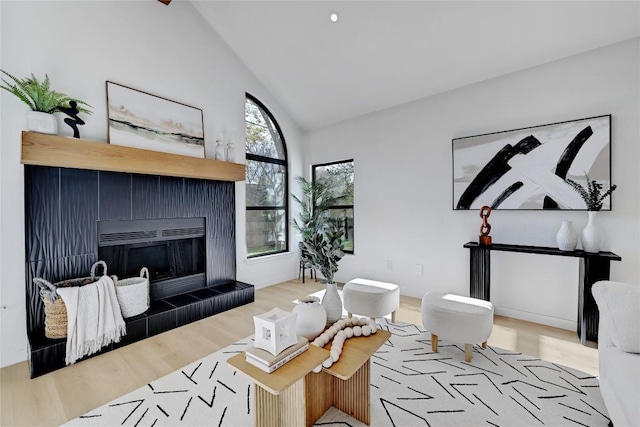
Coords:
pixel 58 151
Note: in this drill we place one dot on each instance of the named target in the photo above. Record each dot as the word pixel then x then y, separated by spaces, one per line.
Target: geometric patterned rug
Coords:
pixel 410 386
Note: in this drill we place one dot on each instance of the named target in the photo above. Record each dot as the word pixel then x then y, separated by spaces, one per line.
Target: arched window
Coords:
pixel 267 230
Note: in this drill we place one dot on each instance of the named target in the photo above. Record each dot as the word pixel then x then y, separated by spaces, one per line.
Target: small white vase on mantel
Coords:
pixel 566 238
pixel 332 303
pixel 592 235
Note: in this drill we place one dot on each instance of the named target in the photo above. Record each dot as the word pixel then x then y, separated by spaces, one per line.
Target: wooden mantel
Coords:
pixel 58 151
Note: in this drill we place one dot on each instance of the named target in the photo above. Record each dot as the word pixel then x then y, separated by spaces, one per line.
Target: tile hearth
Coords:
pixel 48 355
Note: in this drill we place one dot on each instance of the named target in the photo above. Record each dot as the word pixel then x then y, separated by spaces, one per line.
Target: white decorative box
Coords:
pixel 275 330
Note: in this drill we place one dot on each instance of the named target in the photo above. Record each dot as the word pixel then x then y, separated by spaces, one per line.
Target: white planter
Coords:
pixel 332 303
pixel 592 235
pixel 42 122
pixel 566 238
pixel 312 317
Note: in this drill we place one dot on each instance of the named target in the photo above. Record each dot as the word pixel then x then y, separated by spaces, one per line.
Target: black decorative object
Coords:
pixel 526 168
pixel 73 120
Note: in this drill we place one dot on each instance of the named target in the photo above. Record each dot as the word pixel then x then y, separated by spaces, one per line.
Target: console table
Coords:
pixel 593 267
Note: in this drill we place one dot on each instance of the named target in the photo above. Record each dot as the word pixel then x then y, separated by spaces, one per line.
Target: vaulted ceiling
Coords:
pixel 384 53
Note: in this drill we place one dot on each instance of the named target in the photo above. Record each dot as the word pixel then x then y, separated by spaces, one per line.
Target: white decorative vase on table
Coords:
pixel 592 235
pixel 312 317
pixel 566 238
pixel 332 303
pixel 38 121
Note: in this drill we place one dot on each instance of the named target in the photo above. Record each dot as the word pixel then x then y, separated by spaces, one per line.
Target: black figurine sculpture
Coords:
pixel 73 120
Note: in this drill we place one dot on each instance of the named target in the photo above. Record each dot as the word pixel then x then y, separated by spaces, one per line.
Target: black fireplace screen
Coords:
pixel 172 249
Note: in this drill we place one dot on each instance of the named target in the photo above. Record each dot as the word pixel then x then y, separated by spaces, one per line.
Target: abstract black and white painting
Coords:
pixel 141 120
pixel 526 168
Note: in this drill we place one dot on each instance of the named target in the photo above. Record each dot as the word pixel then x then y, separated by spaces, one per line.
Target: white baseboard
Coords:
pixel 556 322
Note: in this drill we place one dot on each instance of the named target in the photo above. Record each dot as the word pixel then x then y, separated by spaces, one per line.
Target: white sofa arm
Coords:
pixel 618 304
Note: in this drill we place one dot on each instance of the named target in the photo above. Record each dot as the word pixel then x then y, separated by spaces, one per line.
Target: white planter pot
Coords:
pixel 312 317
pixel 566 238
pixel 332 303
pixel 592 235
pixel 42 122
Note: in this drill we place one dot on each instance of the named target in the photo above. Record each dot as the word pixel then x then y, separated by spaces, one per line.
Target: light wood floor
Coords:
pixel 65 394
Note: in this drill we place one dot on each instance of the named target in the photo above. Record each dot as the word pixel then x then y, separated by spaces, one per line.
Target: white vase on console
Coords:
pixel 592 235
pixel 566 238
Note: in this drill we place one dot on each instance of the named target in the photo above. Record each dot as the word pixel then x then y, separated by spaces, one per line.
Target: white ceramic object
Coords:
pixel 275 330
pixel 332 303
pixel 357 331
pixel 38 121
pixel 591 235
pixel 312 318
pixel 566 237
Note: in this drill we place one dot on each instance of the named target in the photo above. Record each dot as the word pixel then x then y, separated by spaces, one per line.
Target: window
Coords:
pixel 340 175
pixel 266 182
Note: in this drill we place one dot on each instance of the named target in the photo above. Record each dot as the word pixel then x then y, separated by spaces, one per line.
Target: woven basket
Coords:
pixel 133 294
pixel 55 312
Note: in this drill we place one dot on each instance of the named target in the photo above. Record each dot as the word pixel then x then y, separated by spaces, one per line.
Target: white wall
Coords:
pixel 403 184
pixel 167 51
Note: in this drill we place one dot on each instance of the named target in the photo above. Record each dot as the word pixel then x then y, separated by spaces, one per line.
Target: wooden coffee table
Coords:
pixel 293 395
pixel 347 383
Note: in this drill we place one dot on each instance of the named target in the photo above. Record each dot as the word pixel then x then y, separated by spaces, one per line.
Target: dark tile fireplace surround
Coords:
pixel 62 210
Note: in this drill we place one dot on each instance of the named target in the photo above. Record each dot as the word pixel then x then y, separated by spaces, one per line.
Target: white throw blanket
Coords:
pixel 94 318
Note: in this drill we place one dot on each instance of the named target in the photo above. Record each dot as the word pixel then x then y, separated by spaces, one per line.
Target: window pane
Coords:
pixel 265 184
pixel 265 231
pixel 262 135
pixel 341 177
pixel 344 218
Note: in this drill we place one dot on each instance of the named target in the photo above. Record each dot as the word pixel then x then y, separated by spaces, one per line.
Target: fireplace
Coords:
pixel 172 249
pixel 182 229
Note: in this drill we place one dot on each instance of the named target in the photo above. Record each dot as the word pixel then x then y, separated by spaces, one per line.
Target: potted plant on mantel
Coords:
pixel 321 246
pixel 42 100
pixel 593 197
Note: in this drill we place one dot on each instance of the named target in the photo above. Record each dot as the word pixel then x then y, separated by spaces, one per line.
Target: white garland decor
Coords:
pixel 339 332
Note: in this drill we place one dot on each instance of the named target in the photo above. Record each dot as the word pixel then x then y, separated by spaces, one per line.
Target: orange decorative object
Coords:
pixel 484 238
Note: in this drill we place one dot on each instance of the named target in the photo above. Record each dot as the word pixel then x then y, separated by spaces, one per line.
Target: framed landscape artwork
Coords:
pixel 141 120
pixel 526 168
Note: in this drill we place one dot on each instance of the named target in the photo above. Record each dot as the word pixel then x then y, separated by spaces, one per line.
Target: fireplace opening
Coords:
pixel 173 249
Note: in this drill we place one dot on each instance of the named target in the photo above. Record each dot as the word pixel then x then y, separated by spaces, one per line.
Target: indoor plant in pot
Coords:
pixel 324 252
pixel 314 203
pixel 42 100
pixel 593 196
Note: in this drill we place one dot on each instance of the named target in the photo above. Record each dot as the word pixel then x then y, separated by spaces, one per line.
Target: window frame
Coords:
pixel 274 161
pixel 336 207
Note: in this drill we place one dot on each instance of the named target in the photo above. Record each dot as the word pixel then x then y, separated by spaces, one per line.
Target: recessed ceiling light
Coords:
pixel 333 16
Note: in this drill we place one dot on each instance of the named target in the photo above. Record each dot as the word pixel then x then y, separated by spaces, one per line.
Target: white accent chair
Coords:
pixel 458 319
pixel 619 350
pixel 370 298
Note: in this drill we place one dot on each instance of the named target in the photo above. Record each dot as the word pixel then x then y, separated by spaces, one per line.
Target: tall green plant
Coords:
pixel 317 197
pixel 38 95
pixel 321 237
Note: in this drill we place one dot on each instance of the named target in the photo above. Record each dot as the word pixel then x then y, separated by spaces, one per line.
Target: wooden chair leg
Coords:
pixel 484 344
pixel 393 317
pixel 468 350
pixel 434 343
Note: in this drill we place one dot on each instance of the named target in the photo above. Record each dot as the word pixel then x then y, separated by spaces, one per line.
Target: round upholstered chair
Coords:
pixel 370 298
pixel 456 318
